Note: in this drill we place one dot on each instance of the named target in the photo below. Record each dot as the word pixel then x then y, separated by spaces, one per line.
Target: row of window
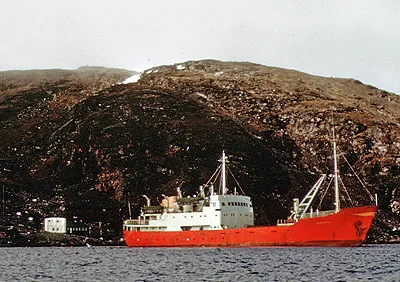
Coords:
pixel 232 214
pixel 191 216
pixel 49 220
pixel 72 229
pixel 238 204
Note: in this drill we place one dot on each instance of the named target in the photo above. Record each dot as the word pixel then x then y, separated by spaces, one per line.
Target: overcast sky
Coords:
pixel 338 38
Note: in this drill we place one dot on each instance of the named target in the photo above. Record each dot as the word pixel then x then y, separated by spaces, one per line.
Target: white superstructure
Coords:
pixel 217 210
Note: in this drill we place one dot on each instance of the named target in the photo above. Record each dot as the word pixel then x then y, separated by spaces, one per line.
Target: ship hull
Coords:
pixel 348 227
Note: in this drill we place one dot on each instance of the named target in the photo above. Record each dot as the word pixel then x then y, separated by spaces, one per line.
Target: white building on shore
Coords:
pixel 55 224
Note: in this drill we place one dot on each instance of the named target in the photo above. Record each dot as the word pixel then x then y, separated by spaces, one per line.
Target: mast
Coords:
pixel 336 172
pixel 223 173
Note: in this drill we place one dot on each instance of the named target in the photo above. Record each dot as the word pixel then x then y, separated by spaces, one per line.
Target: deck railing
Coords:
pixel 313 214
pixel 318 213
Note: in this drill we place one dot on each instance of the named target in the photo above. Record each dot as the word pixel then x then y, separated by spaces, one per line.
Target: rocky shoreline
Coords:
pixel 46 239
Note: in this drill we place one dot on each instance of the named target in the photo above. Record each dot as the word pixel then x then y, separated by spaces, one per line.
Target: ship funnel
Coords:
pixel 166 205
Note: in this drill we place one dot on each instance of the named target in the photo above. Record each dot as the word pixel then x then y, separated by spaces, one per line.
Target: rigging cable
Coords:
pixel 362 183
pixel 326 192
pixel 237 182
pixel 344 188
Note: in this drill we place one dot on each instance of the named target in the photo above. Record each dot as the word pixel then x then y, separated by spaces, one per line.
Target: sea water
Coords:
pixel 367 263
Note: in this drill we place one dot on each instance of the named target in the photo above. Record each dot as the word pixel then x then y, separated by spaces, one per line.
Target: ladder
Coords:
pixel 307 200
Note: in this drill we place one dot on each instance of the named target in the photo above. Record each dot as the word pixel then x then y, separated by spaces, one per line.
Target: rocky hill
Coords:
pixel 79 144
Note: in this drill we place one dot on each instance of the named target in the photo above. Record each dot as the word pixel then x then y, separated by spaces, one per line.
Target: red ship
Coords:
pixel 222 219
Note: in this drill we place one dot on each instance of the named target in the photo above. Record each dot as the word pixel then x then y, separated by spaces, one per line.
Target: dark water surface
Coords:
pixel 368 263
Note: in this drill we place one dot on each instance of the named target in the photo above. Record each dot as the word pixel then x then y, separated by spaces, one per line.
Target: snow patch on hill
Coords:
pixel 132 79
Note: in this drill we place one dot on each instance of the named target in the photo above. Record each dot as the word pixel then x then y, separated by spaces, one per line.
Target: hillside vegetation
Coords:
pixel 79 144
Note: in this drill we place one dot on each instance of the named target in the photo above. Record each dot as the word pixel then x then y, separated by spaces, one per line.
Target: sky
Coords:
pixel 335 38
